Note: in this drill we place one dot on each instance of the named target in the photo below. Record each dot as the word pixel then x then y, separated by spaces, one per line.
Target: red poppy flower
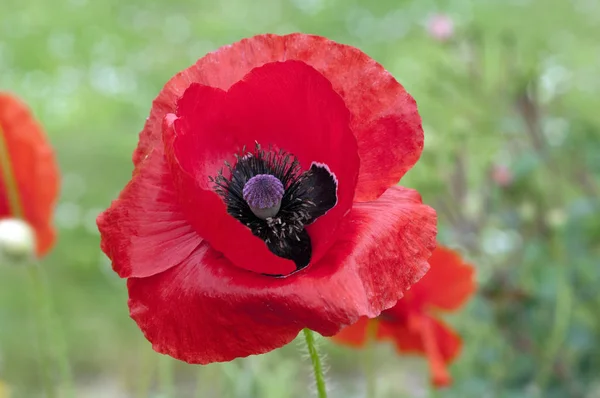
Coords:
pixel 412 324
pixel 263 199
pixel 28 171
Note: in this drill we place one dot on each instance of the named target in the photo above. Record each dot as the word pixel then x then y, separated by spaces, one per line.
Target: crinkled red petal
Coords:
pixel 32 166
pixel 285 104
pixel 206 310
pixel 424 335
pixel 390 239
pixel 385 120
pixel 144 231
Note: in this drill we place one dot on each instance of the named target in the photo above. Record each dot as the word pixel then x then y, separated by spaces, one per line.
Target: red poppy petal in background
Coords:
pixel 144 231
pixel 434 289
pixel 385 119
pixel 354 335
pixel 206 310
pixel 33 167
pixel 424 335
pixel 286 104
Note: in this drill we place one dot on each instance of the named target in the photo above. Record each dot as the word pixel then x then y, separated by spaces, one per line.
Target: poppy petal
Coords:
pixel 207 213
pixel 425 335
pixel 354 335
pixel 390 240
pixel 385 120
pixel 435 291
pixel 199 312
pixel 212 126
pixel 292 106
pixel 33 167
pixel 207 310
pixel 440 345
pixel 144 231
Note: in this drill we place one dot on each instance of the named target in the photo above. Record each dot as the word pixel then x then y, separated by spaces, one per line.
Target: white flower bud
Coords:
pixel 17 241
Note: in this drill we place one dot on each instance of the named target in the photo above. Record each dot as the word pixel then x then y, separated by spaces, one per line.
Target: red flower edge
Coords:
pixel 30 170
pixel 188 262
pixel 385 122
pixel 412 324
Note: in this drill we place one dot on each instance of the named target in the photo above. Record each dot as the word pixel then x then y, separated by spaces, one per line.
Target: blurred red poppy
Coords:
pixel 29 177
pixel 263 199
pixel 413 324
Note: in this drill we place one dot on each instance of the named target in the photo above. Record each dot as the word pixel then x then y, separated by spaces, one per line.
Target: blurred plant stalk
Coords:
pixel 370 371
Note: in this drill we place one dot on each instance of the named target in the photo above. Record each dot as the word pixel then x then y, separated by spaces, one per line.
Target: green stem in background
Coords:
pixel 316 363
pixel 165 376
pixel 210 381
pixel 53 337
pixel 40 336
pixel 370 359
pixel 200 382
pixel 146 372
pixel 562 315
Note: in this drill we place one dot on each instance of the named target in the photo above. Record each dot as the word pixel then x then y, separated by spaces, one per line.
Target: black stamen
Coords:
pixel 306 197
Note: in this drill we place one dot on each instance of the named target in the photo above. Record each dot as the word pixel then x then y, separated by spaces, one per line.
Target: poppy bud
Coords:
pixel 17 241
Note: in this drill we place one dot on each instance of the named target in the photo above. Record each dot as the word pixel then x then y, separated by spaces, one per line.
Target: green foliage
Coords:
pixel 515 87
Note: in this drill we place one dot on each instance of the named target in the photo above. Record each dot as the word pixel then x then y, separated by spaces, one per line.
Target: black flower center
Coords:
pixel 269 193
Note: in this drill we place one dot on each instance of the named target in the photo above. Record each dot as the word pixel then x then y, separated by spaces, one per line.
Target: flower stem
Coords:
pixel 562 314
pixel 38 328
pixel 146 372
pixel 165 376
pixel 369 360
pixel 47 321
pixel 316 362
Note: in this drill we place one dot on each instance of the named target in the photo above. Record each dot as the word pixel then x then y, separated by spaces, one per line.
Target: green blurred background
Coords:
pixel 511 114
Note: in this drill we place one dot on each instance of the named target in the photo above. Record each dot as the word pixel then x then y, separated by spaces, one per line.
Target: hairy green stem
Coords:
pixel 316 363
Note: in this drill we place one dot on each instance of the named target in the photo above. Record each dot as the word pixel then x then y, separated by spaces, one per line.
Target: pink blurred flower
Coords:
pixel 502 175
pixel 440 27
